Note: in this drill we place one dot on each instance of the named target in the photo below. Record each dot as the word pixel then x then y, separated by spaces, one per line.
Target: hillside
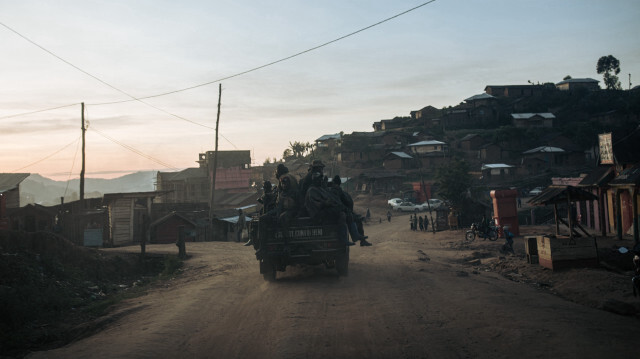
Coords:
pixel 45 191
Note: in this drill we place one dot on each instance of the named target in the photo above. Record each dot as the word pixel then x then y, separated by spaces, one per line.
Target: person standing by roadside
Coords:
pixel 389 216
pixel 421 223
pixel 240 225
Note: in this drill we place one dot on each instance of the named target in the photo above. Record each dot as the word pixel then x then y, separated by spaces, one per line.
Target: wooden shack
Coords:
pixel 129 215
pixel 170 227
pixel 565 251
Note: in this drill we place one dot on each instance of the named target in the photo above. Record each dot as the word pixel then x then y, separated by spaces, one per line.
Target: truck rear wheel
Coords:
pixel 268 271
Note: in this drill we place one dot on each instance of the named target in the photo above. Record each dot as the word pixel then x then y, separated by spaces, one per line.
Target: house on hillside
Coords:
pixel 374 182
pixel 398 161
pixel 552 156
pixel 557 139
pixel 456 117
pixel 532 120
pixel 426 113
pixel 393 124
pixel 429 154
pixel 481 109
pixel 428 147
pixel 471 142
pixel 328 142
pixel 480 100
pixel 573 84
pixel 497 172
pixel 514 90
pixel 358 148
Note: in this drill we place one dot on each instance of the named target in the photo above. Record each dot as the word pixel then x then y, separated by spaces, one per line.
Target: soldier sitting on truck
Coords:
pixel 316 166
pixel 268 198
pixel 286 207
pixel 326 208
pixel 355 229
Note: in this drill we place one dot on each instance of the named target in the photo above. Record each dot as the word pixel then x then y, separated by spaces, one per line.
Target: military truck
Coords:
pixel 304 243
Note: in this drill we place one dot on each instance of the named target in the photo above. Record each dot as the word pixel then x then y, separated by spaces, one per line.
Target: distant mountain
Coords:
pixel 45 191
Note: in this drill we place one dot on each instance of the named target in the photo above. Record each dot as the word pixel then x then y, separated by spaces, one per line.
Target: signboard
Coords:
pixel 606 148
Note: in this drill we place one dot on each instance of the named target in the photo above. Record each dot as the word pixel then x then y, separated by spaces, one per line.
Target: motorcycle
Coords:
pixel 491 233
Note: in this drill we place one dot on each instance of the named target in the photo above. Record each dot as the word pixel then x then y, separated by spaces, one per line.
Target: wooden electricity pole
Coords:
pixel 82 170
pixel 215 163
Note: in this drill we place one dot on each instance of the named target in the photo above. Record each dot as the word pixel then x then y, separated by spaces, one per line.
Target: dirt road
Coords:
pixel 408 296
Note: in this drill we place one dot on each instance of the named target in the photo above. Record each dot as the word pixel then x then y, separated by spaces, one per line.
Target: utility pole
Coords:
pixel 82 170
pixel 215 164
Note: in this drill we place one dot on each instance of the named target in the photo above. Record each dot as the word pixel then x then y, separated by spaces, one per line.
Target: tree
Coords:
pixel 300 149
pixel 568 77
pixel 287 154
pixel 610 67
pixel 454 182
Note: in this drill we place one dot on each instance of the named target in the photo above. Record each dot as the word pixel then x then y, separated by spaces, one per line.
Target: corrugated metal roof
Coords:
pixel 482 96
pixel 529 115
pixel 599 177
pixel 495 165
pixel 169 215
pixel 427 143
pixel 584 80
pixel 9 181
pixel 401 154
pixel 234 219
pixel 630 176
pixel 335 136
pixel 544 149
pixel 469 136
pixel 560 194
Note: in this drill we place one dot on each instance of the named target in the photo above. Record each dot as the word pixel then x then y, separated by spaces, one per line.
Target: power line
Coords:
pixel 67 62
pixel 273 62
pixel 132 149
pixel 47 157
pixel 139 99
pixel 32 112
pixel 133 98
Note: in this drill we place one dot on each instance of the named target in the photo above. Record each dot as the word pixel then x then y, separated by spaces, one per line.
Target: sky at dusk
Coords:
pixel 106 54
